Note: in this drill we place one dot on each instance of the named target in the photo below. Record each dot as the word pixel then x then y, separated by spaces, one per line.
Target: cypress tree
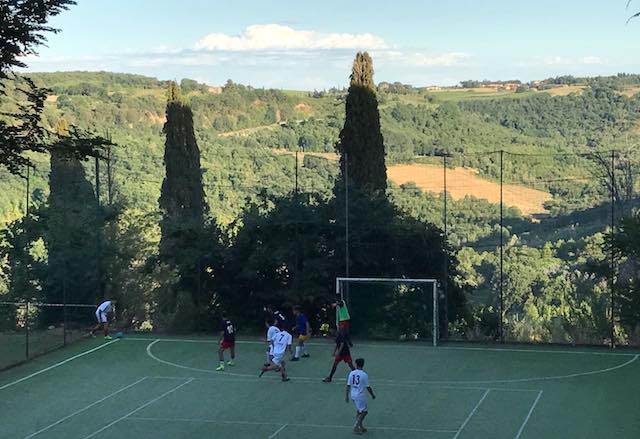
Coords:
pixel 70 237
pixel 182 203
pixel 361 137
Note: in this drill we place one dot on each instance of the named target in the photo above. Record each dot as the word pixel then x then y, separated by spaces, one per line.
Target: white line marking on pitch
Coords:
pixel 466 421
pixel 46 369
pixel 77 412
pixel 225 422
pixel 278 431
pixel 408 382
pixel 222 378
pixel 132 412
pixel 533 406
pixel 386 345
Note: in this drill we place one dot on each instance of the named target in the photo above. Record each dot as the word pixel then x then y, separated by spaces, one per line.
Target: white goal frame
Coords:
pixel 434 292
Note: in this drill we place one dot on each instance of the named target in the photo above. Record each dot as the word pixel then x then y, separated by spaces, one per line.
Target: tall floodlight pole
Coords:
pixel 346 212
pixel 501 248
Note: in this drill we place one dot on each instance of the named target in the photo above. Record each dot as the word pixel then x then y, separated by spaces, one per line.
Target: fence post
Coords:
pixel 99 288
pixel 27 195
pixel 64 303
pixel 501 322
pixel 346 213
pixel 296 280
pixel 445 283
pixel 611 249
pixel 26 325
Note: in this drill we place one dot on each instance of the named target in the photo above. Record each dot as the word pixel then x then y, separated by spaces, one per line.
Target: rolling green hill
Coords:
pixel 557 199
pixel 238 127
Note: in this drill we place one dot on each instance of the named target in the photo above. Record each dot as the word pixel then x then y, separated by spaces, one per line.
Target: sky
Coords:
pixel 307 45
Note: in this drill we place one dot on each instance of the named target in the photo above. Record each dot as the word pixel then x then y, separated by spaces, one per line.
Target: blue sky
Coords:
pixel 309 45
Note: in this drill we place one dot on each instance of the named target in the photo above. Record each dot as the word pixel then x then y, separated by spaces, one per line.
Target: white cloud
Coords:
pixel 445 59
pixel 591 60
pixel 556 61
pixel 421 59
pixel 278 37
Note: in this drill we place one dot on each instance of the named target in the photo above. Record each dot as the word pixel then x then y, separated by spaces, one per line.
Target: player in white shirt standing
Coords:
pixel 357 382
pixel 281 344
pixel 102 315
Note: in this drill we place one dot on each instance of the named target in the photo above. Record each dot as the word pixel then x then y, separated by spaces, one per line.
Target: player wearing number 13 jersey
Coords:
pixel 357 383
pixel 227 341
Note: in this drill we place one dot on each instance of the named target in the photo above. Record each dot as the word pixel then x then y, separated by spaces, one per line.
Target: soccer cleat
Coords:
pixel 231 363
pixel 326 380
pixel 357 430
pixel 108 337
pixel 305 355
pixel 362 429
pixel 295 359
pixel 266 364
pixel 262 372
pixel 220 368
pixel 284 379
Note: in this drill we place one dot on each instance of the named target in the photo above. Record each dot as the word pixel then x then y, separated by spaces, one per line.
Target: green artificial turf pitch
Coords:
pixel 141 388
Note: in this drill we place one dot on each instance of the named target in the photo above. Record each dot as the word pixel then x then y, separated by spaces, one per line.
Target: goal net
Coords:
pixel 384 308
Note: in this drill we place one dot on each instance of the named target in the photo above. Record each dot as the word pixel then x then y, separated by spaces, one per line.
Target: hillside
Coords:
pixel 550 149
pixel 240 130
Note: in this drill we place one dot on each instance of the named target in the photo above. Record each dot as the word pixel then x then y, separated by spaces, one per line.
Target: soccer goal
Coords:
pixel 405 309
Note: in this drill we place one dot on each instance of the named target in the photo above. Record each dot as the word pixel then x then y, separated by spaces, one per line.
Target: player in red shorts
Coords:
pixel 341 353
pixel 227 341
pixel 342 318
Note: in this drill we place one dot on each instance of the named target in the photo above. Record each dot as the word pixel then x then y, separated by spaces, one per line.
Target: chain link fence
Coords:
pixel 31 329
pixel 531 253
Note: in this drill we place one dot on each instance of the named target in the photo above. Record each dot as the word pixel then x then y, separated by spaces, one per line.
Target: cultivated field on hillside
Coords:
pixel 461 182
pixel 565 90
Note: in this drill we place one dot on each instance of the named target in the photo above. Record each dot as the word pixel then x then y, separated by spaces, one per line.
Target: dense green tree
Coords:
pixel 361 145
pixel 23 25
pixel 183 207
pixel 71 231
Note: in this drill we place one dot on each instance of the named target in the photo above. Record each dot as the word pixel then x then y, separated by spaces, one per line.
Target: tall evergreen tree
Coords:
pixel 361 145
pixel 71 229
pixel 183 206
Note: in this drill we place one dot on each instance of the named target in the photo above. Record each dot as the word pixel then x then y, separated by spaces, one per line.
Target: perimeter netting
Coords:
pixel 391 309
pixel 30 329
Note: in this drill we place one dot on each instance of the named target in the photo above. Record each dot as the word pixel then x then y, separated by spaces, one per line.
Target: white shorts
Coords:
pixel 360 402
pixel 278 358
pixel 101 316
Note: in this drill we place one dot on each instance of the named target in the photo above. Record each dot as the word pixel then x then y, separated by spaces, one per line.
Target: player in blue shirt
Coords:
pixel 227 341
pixel 303 329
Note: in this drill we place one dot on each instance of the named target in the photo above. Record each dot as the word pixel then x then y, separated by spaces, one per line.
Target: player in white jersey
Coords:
pixel 272 330
pixel 102 315
pixel 281 344
pixel 357 383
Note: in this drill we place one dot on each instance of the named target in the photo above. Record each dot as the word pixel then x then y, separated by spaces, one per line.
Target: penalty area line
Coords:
pixel 275 433
pixel 47 369
pixel 226 422
pixel 473 412
pixel 410 382
pixel 403 346
pixel 533 406
pixel 84 409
